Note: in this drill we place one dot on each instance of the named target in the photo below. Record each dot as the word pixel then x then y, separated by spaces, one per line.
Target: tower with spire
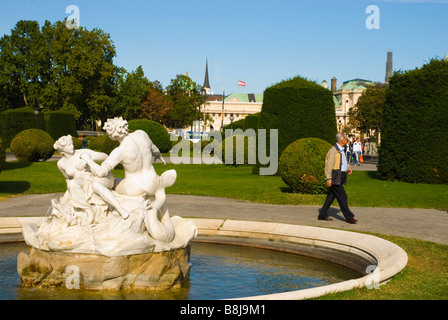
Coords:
pixel 206 81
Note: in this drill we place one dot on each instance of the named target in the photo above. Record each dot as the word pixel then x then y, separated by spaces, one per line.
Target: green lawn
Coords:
pixel 424 278
pixel 364 189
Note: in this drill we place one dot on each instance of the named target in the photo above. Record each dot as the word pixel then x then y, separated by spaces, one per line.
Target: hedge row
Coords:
pixel 14 121
pixel 2 155
pixel 251 121
pixel 56 123
pixel 60 123
pixel 414 135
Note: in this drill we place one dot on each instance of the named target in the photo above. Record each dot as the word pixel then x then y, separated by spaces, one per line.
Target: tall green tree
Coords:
pixel 187 101
pixel 132 88
pixel 367 114
pixel 54 67
pixel 23 66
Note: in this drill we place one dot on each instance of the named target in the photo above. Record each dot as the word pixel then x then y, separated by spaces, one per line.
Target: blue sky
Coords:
pixel 260 42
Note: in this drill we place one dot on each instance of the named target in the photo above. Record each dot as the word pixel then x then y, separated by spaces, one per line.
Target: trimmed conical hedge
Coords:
pixel 299 109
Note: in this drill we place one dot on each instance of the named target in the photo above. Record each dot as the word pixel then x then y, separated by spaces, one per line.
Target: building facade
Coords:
pixel 345 97
pixel 235 107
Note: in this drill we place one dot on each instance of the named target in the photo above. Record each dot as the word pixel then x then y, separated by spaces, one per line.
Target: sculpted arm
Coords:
pixel 96 156
pixel 156 153
pixel 111 162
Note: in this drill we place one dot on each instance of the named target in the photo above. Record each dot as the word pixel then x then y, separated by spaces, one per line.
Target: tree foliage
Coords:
pixel 156 105
pixel 132 88
pixel 187 101
pixel 52 67
pixel 55 67
pixel 366 115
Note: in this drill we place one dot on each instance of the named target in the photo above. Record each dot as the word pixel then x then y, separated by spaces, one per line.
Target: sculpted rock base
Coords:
pixel 154 271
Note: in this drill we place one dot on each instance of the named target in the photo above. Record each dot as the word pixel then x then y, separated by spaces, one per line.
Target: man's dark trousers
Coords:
pixel 338 192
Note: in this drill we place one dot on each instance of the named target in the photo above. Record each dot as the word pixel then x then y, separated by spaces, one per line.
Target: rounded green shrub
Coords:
pixel 32 145
pixel 2 155
pixel 302 165
pixel 156 132
pixel 77 143
pixel 95 142
pixel 108 144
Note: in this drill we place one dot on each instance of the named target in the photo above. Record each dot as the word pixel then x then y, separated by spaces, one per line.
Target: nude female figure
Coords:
pixel 81 183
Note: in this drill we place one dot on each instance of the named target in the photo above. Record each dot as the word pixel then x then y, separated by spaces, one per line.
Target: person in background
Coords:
pixel 357 149
pixel 349 151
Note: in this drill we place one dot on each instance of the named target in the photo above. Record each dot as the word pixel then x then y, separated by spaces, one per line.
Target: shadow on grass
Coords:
pixel 373 175
pixel 14 186
pixel 286 190
pixel 16 165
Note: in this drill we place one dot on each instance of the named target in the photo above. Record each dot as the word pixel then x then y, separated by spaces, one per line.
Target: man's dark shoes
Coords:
pixel 324 218
pixel 351 220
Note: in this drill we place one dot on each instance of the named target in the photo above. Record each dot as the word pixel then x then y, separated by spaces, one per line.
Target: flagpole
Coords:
pixel 222 113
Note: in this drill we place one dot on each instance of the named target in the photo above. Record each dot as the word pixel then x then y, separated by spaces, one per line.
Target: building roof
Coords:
pixel 336 102
pixel 213 97
pixel 356 84
pixel 245 97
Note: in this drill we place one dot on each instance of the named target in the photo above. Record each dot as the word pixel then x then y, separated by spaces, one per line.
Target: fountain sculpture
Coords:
pixel 115 233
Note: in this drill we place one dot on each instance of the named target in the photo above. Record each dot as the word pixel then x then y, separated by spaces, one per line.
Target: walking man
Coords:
pixel 336 171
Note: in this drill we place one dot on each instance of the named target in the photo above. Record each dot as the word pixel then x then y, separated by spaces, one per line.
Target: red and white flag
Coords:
pixel 241 83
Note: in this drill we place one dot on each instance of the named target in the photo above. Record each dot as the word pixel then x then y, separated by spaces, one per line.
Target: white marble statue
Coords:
pixel 103 215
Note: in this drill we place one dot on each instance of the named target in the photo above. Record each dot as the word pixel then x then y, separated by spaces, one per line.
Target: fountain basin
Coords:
pixel 360 252
pixel 376 258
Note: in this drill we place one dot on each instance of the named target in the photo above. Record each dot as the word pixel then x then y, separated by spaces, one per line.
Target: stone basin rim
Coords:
pixel 339 245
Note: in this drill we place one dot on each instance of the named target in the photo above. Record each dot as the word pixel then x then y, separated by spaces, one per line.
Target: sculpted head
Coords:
pixel 116 128
pixel 64 145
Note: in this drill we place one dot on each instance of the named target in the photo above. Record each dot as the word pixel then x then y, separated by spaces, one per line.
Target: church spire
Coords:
pixel 206 81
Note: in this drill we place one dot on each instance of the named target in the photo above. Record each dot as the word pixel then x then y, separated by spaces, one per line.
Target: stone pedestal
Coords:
pixel 153 271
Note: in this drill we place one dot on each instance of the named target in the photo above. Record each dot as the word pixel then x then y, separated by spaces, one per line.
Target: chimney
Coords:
pixel 333 84
pixel 389 66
